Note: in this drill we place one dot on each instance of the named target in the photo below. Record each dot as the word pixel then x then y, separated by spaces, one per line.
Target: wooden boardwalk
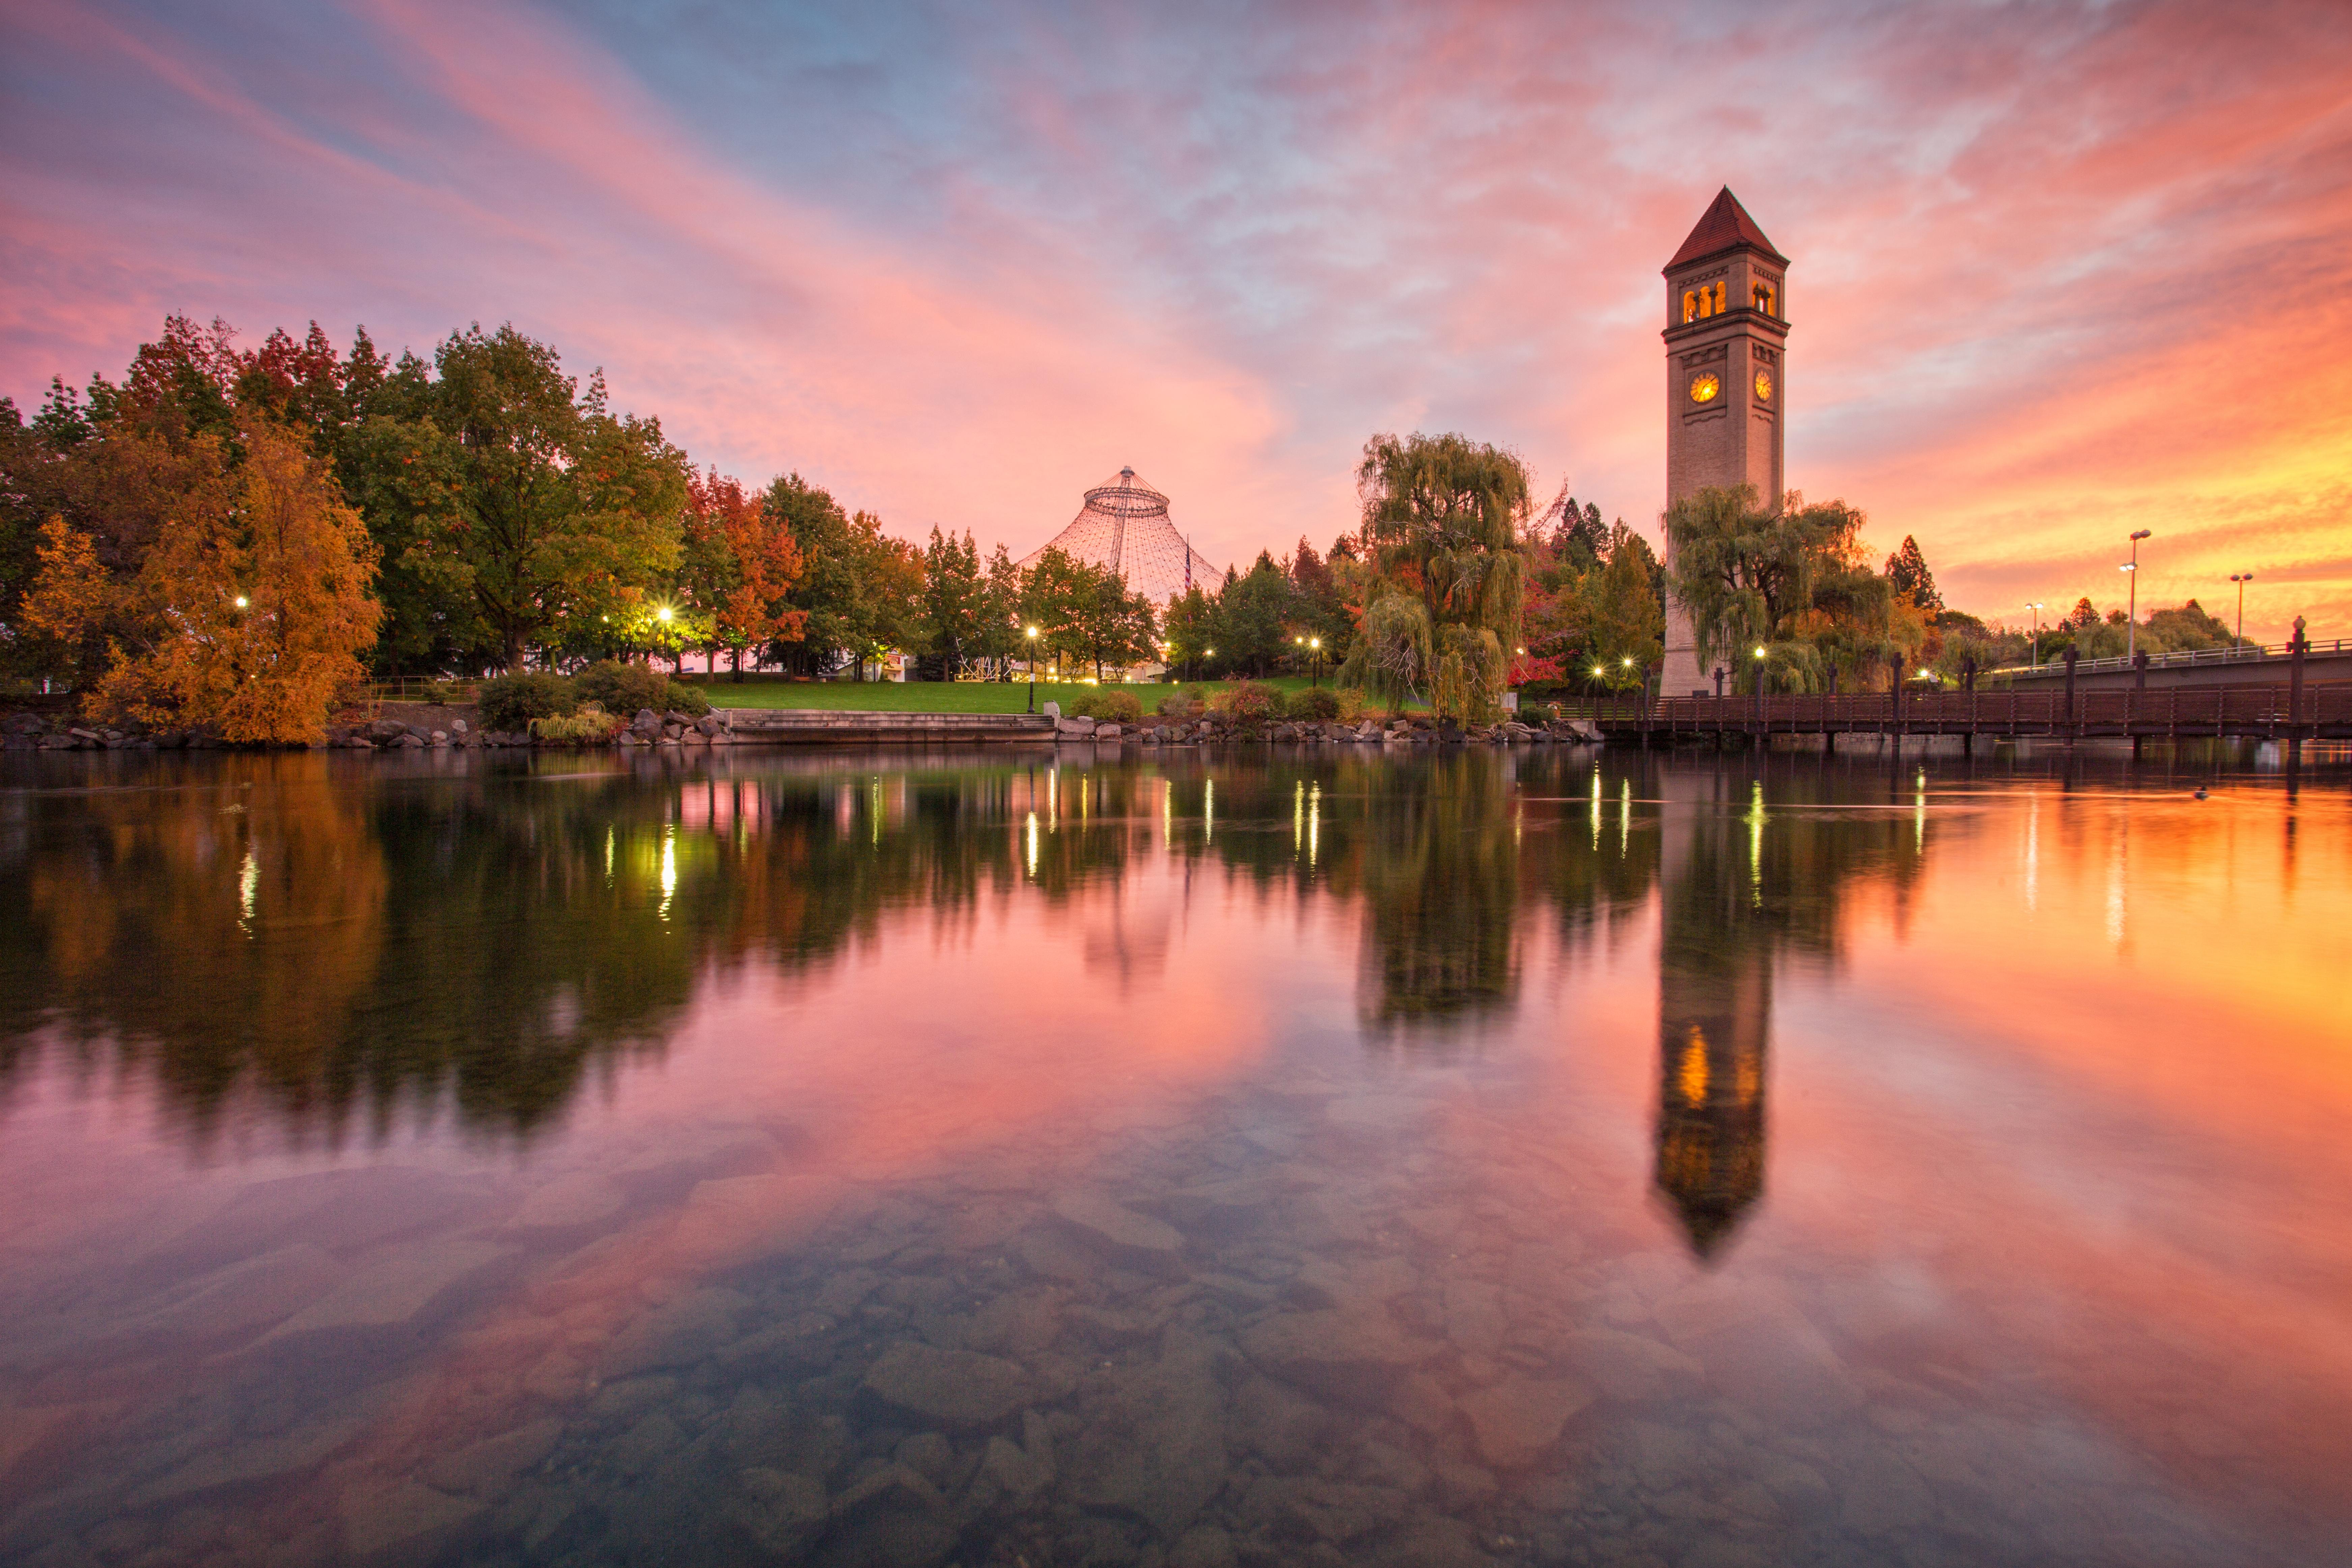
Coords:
pixel 2319 712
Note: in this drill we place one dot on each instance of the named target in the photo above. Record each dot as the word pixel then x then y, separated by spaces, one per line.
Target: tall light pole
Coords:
pixel 2131 616
pixel 2033 650
pixel 1032 635
pixel 1315 645
pixel 2242 579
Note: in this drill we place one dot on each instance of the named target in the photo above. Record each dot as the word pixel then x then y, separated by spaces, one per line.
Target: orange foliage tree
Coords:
pixel 740 562
pixel 249 613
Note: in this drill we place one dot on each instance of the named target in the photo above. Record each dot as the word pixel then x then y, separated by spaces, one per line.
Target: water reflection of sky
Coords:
pixel 1863 1159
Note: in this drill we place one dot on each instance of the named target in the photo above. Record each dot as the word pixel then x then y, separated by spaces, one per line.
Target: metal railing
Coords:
pixel 2183 658
pixel 2320 708
pixel 416 688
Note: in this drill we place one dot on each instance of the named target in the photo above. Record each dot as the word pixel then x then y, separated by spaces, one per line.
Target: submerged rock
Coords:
pixel 1518 1418
pixel 959 1390
pixel 1130 1237
pixel 1351 1354
pixel 781 1511
pixel 1158 1450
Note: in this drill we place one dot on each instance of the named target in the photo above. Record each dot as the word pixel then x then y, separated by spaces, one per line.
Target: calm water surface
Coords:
pixel 1189 1161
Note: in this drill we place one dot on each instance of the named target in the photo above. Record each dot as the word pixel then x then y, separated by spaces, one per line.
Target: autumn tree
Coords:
pixel 249 613
pixel 738 565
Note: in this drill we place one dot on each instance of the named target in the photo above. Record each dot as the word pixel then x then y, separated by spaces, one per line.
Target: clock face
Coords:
pixel 1763 386
pixel 1704 389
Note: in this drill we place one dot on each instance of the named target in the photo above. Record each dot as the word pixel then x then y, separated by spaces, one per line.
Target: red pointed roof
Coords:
pixel 1726 226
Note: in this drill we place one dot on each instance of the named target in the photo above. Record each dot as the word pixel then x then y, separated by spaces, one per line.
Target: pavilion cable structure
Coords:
pixel 1124 525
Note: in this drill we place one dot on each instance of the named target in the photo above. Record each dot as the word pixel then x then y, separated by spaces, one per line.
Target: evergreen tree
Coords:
pixel 1906 568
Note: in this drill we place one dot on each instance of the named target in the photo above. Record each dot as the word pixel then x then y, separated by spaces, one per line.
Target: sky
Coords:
pixel 2059 271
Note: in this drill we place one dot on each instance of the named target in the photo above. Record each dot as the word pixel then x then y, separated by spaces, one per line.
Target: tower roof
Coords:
pixel 1726 225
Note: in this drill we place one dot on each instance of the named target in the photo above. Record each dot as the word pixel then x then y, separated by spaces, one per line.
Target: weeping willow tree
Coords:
pixel 1443 516
pixel 1793 581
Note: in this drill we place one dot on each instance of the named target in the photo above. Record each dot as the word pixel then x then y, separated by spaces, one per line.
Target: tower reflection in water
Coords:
pixel 1713 1014
pixel 1714 1010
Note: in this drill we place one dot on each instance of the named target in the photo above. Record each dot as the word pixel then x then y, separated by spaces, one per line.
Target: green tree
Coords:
pixel 1254 613
pixel 1442 523
pixel 2189 626
pixel 1792 580
pixel 1190 629
pixel 955 605
pixel 523 503
pixel 1056 594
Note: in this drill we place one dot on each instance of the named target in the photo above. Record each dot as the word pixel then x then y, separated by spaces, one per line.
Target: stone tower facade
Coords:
pixel 1726 385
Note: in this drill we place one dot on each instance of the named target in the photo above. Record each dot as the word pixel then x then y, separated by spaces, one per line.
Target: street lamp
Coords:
pixel 1315 646
pixel 2242 579
pixel 2033 652
pixel 2131 616
pixel 240 605
pixel 1032 635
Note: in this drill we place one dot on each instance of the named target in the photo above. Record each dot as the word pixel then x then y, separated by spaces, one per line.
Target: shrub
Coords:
pixel 1252 703
pixel 512 701
pixel 440 693
pixel 1118 706
pixel 624 689
pixel 620 688
pixel 1179 704
pixel 1351 705
pixel 1316 705
pixel 590 726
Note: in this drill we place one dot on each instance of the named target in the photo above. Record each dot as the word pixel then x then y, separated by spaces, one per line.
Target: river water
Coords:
pixel 1173 1160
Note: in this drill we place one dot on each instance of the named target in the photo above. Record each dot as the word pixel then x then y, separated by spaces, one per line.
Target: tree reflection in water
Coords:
pixel 345 942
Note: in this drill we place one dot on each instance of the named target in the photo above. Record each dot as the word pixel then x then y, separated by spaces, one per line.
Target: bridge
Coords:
pixel 2248 663
pixel 2290 713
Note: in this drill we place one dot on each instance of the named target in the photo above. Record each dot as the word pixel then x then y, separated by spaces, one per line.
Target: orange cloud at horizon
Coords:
pixel 2057 274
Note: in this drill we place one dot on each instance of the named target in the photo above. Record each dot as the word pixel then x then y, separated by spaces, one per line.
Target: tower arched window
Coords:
pixel 1706 300
pixel 1763 297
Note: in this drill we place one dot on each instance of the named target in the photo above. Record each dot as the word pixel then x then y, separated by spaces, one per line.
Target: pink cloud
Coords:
pixel 2057 275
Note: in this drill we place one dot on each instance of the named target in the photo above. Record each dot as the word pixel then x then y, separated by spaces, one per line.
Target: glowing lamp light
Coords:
pixel 1317 642
pixel 240 601
pixel 1759 652
pixel 1629 661
pixel 664 613
pixel 1033 633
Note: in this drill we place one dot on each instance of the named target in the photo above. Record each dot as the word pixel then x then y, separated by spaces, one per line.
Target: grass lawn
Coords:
pixel 930 696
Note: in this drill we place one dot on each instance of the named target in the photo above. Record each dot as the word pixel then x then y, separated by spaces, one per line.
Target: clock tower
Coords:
pixel 1726 385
